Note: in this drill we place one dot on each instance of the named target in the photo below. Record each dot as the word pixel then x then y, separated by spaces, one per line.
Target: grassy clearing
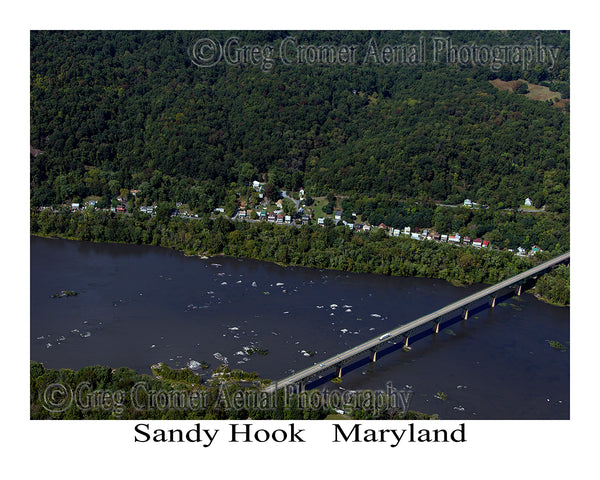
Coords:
pixel 536 92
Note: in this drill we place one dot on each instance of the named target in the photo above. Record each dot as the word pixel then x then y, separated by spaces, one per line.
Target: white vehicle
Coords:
pixel 383 337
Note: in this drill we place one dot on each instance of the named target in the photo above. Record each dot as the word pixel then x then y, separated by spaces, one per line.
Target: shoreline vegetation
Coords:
pixel 181 394
pixel 329 247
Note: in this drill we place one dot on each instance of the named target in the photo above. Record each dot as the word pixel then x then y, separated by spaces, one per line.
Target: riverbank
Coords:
pixel 334 248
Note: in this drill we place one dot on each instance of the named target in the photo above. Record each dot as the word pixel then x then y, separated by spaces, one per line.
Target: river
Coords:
pixel 139 305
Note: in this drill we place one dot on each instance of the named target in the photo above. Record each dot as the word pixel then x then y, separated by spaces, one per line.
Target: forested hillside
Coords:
pixel 129 110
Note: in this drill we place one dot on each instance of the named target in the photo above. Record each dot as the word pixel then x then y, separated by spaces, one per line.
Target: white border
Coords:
pixel 495 449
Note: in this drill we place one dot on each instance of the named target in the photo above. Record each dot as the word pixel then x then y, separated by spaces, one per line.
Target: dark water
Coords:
pixel 139 305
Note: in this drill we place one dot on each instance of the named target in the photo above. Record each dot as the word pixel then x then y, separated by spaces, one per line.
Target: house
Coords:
pixel 467 241
pixel 279 218
pixel 350 226
pixel 149 210
pixel 535 249
pixel 528 202
pixel 436 237
pixel 468 203
pixel 454 238
pixel 219 210
pixel 366 228
pixel 120 208
pixel 396 232
pixel 74 206
pixel 415 236
pixel 382 225
pixel 134 192
pixel 444 238
pixel 256 185
pixel 305 218
pixel 301 192
pixel 241 214
pixel 321 221
pixel 263 214
pixel 248 212
pixel 521 251
pixel 485 244
pixel 271 217
pixel 338 215
pixel 288 219
pixel 477 242
pixel 406 230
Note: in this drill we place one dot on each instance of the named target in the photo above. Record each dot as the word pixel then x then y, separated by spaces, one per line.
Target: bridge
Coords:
pixel 404 331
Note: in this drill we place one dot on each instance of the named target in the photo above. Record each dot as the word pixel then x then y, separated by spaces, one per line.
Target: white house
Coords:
pixel 406 230
pixel 528 202
pixel 467 203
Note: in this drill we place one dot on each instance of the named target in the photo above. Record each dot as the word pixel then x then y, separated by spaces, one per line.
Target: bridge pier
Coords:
pixel 373 355
pixel 519 287
pixel 436 326
pixel 465 313
pixel 405 342
pixel 493 302
pixel 338 371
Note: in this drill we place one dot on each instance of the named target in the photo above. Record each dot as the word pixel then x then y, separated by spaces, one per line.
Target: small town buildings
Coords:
pixel 279 218
pixel 485 244
pixel 444 238
pixel 288 219
pixel 467 241
pixel 406 230
pixel 396 232
pixel 477 242
pixel 271 217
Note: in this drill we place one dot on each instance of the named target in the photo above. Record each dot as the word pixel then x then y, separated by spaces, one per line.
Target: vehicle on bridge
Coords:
pixel 383 337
